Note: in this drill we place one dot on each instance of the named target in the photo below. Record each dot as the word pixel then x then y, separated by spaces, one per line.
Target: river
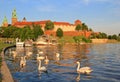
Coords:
pixel 104 59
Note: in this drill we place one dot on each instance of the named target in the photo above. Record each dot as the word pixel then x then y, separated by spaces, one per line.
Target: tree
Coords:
pixel 49 25
pixel 37 31
pixel 84 26
pixel 59 32
pixel 90 29
pixel 8 31
pixel 119 34
pixel 109 37
pixel 114 36
pixel 78 27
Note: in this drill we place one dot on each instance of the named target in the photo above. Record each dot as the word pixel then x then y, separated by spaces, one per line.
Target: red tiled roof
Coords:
pixel 30 23
pixel 77 21
pixel 61 23
pixel 40 22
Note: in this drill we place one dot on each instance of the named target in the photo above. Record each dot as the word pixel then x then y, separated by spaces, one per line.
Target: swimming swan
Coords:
pixel 40 57
pixel 14 54
pixel 83 70
pixel 41 68
pixel 46 60
pixel 57 55
pixel 22 61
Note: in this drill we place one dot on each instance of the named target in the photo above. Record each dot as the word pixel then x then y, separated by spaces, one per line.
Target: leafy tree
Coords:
pixel 59 32
pixel 84 26
pixel 114 36
pixel 49 25
pixel 104 35
pixel 37 31
pixel 119 34
pixel 16 33
pixel 77 39
pixel 78 27
pixel 90 29
pixel 109 37
pixel 7 32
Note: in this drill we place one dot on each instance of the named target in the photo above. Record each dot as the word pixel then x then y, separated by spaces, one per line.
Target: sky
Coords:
pixel 100 15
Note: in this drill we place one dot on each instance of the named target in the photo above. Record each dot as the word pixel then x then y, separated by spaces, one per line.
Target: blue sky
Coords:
pixel 100 15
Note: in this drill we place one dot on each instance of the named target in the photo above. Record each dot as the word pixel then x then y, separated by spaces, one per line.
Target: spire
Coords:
pixel 5 20
pixel 14 14
pixel 24 19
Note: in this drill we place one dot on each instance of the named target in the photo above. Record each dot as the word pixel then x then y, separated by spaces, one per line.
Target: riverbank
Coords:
pixel 5 74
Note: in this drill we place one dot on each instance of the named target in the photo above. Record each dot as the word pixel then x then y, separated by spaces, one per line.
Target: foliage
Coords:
pixel 99 36
pixel 114 36
pixel 49 25
pixel 78 27
pixel 90 29
pixel 37 31
pixel 23 33
pixel 59 33
pixel 84 26
pixel 86 40
pixel 79 39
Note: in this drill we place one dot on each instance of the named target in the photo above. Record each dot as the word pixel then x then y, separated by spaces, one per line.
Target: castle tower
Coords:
pixel 78 22
pixel 5 22
pixel 14 17
pixel 24 19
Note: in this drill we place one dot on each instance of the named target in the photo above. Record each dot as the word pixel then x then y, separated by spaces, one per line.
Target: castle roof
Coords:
pixel 30 23
pixel 61 23
pixel 40 22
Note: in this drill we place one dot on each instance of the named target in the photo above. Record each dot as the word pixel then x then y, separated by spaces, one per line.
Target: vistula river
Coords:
pixel 104 59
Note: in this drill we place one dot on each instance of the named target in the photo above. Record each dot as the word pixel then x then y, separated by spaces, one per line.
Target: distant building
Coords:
pixel 5 22
pixel 68 29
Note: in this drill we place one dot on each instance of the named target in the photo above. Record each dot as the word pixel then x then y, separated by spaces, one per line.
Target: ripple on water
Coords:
pixel 102 58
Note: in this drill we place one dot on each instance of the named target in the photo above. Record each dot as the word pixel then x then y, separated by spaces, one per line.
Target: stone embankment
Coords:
pixel 6 75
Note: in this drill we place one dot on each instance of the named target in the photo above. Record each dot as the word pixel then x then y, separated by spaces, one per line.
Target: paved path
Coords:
pixel 6 75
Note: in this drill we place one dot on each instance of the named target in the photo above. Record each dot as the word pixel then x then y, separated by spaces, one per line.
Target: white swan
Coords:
pixel 46 60
pixel 83 70
pixel 57 55
pixel 29 54
pixel 40 52
pixel 14 54
pixel 41 68
pixel 22 61
pixel 40 57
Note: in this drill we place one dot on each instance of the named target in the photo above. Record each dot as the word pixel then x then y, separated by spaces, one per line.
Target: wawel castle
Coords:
pixel 68 29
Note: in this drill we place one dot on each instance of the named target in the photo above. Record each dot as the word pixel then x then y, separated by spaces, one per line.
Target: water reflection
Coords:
pixel 103 59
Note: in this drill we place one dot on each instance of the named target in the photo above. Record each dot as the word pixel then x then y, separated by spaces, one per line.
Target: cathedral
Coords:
pixel 68 28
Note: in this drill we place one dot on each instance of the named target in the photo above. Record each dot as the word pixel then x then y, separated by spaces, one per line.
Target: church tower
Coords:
pixel 14 17
pixel 5 22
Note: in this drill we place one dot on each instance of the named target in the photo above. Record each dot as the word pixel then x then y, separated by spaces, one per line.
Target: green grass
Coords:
pixel 66 39
pixel 2 46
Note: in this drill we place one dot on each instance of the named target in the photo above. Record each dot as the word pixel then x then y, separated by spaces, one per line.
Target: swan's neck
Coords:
pixel 40 64
pixel 37 55
pixel 78 66
pixel 24 58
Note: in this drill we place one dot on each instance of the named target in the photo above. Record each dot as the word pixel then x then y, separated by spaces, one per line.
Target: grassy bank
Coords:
pixel 2 46
pixel 76 39
pixel 113 41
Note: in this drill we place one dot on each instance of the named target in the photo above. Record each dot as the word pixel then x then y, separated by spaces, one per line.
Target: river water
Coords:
pixel 104 59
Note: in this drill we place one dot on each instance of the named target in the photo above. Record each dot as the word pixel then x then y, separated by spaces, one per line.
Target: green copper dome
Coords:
pixel 5 19
pixel 14 15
